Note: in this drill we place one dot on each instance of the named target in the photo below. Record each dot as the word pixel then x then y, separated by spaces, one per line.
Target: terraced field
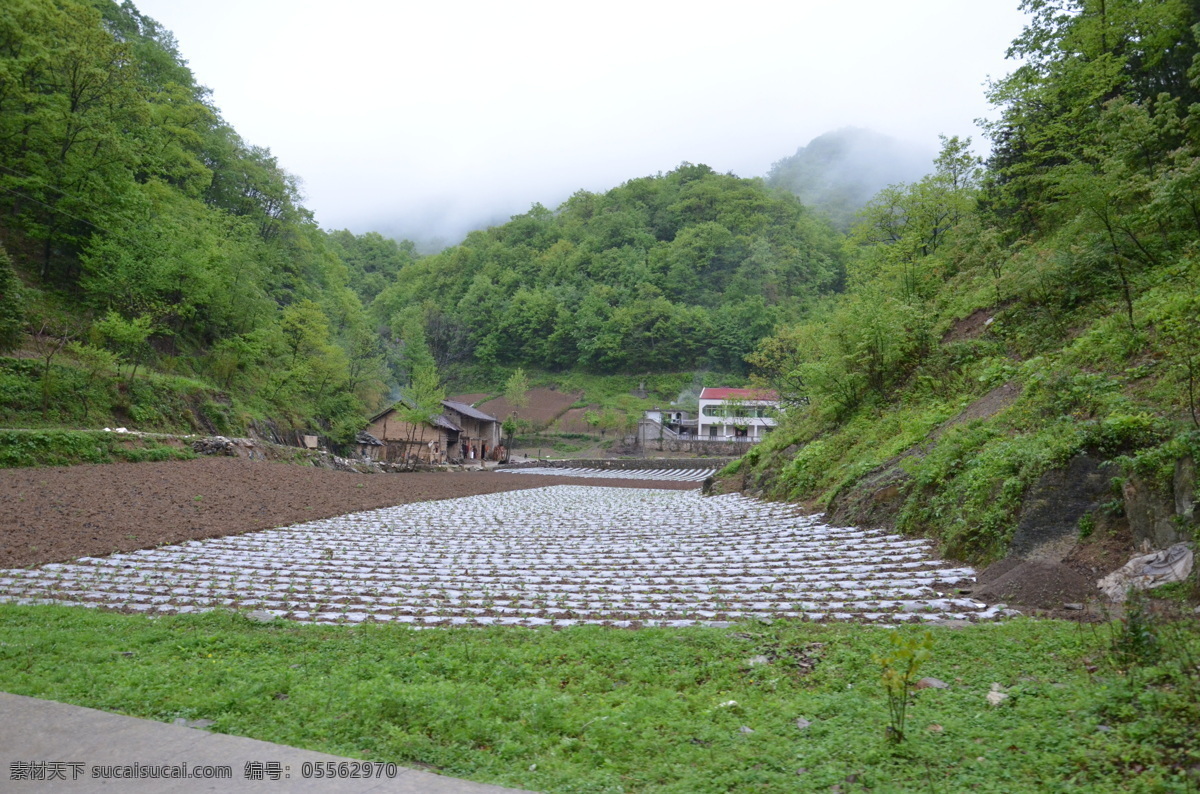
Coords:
pixel 560 555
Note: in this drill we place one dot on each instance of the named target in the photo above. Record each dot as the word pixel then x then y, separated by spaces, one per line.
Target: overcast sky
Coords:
pixel 426 119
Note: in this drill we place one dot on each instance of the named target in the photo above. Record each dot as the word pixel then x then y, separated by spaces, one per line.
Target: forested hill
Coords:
pixel 839 172
pixel 160 253
pixel 157 252
pixel 674 272
pixel 1036 314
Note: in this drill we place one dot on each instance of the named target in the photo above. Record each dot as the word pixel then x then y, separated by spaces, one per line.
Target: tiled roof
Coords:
pixel 441 421
pixel 467 410
pixel 437 421
pixel 763 395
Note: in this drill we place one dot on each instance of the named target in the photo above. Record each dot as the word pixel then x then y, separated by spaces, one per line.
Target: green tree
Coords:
pixel 1078 55
pixel 50 332
pixel 68 104
pixel 422 401
pixel 95 362
pixel 625 280
pixel 516 393
pixel 12 307
pixel 901 230
pixel 305 330
pixel 128 339
pixel 516 389
pixel 591 419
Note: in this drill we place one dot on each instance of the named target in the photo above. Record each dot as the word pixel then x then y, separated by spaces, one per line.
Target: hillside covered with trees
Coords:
pixel 1002 319
pixel 165 273
pixel 150 237
pixel 668 273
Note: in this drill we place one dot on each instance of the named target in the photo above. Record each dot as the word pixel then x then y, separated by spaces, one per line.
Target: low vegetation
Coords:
pixel 769 707
pixel 69 447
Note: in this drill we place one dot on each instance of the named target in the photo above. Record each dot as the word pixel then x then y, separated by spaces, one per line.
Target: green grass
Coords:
pixel 70 397
pixel 19 448
pixel 555 443
pixel 597 710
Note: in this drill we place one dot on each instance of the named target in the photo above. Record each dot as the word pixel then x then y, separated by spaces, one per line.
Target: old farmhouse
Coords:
pixel 459 433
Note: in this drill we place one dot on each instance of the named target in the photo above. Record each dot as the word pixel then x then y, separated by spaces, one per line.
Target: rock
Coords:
pixel 931 683
pixel 757 661
pixel 1048 526
pixel 1148 571
pixel 996 697
pixel 745 729
pixel 1151 515
pixel 802 723
pixel 214 445
pixel 1075 607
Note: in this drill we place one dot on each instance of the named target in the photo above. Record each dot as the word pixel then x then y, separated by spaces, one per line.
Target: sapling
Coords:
pixel 909 651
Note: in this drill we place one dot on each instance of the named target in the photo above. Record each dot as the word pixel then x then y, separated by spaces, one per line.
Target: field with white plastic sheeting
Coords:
pixel 559 556
pixel 667 475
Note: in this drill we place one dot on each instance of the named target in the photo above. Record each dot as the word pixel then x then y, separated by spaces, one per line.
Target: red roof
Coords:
pixel 764 395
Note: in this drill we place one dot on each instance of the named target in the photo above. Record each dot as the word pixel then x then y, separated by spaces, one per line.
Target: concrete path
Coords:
pixel 48 747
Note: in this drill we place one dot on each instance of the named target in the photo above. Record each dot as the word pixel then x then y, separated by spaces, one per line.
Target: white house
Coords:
pixel 737 414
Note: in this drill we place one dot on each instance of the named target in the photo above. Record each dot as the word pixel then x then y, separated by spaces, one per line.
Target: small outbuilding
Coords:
pixel 368 446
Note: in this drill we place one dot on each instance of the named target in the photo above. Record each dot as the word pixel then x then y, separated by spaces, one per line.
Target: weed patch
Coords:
pixel 594 709
pixel 19 448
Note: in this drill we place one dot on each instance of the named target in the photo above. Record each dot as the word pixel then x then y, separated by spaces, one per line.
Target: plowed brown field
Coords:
pixel 58 514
